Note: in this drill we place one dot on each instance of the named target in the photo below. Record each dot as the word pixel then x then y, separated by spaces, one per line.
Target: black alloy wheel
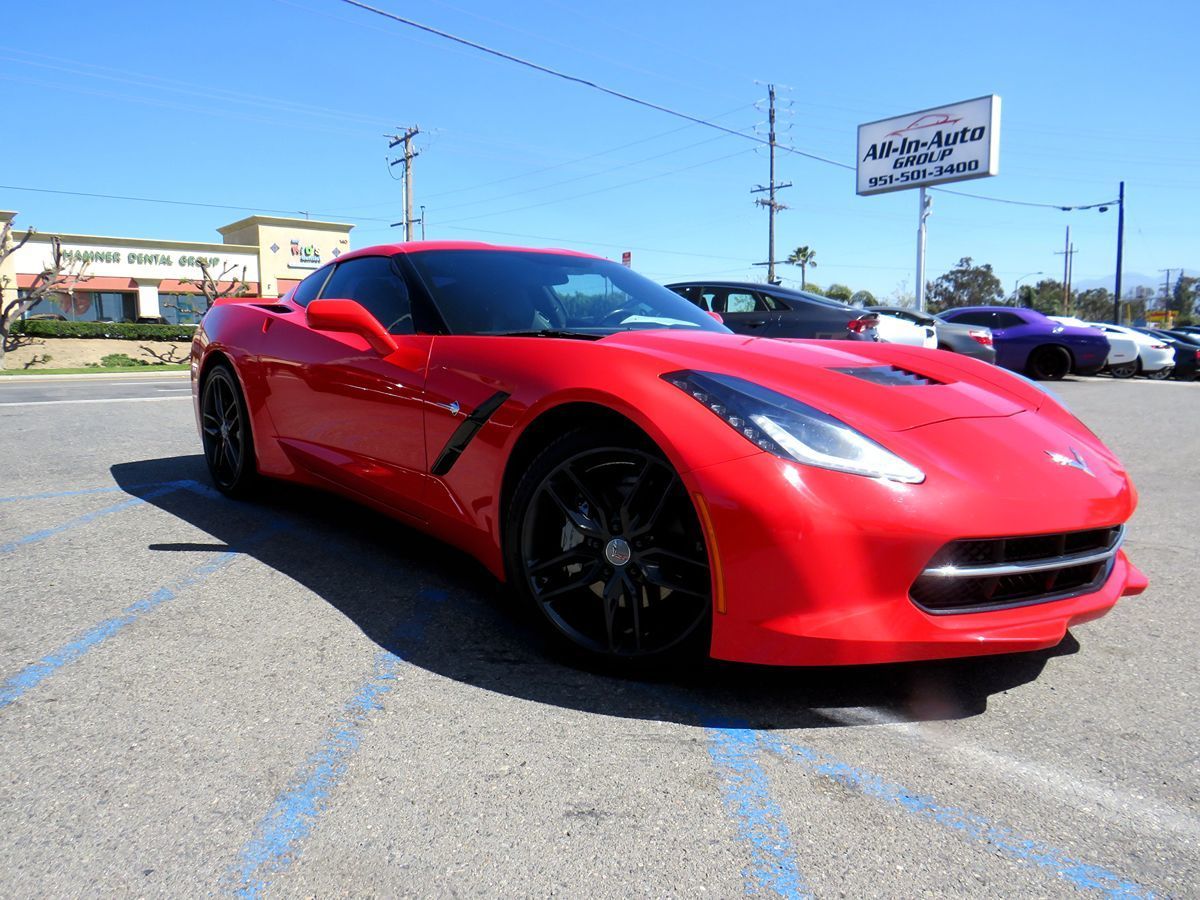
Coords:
pixel 1049 363
pixel 606 544
pixel 1124 370
pixel 228 444
pixel 1160 374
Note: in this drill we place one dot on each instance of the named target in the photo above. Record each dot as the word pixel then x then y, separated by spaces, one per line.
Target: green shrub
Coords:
pixel 120 360
pixel 124 331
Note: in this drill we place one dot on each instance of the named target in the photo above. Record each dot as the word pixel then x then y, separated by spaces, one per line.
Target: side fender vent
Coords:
pixel 892 376
pixel 273 307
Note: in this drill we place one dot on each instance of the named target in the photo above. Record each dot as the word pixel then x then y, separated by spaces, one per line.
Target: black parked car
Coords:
pixel 766 310
pixel 969 340
pixel 1187 351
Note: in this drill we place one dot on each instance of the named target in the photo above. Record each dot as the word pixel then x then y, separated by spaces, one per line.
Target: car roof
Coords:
pixel 904 309
pixel 420 246
pixel 765 288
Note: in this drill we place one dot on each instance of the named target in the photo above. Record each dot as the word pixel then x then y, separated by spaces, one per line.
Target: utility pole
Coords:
pixel 1066 253
pixel 1167 285
pixel 925 207
pixel 1120 247
pixel 409 155
pixel 772 205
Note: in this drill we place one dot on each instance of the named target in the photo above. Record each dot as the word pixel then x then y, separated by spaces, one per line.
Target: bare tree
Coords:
pixel 56 277
pixel 214 288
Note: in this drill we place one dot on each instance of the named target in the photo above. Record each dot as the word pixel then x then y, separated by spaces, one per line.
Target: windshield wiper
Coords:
pixel 548 332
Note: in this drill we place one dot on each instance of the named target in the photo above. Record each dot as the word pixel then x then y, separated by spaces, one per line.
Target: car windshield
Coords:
pixel 527 292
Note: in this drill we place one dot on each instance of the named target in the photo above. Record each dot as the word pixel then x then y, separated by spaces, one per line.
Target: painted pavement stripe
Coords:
pixel 89 517
pixel 98 400
pixel 48 665
pixel 999 839
pixel 760 824
pixel 297 809
pixel 80 492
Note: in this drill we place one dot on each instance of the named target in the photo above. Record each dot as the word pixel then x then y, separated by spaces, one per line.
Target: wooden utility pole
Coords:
pixel 772 205
pixel 409 155
pixel 1066 253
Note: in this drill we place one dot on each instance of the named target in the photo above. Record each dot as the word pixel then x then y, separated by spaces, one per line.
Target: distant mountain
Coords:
pixel 1129 281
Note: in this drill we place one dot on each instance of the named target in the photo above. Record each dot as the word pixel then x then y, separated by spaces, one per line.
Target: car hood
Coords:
pixel 892 386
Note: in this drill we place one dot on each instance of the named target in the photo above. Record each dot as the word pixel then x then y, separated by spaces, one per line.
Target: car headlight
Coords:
pixel 791 429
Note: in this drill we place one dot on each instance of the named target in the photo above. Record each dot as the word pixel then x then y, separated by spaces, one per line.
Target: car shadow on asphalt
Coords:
pixel 384 576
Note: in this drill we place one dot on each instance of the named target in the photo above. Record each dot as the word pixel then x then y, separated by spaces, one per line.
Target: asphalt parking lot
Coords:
pixel 300 698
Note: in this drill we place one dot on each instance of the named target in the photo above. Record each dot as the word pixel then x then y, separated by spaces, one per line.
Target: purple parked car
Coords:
pixel 1027 341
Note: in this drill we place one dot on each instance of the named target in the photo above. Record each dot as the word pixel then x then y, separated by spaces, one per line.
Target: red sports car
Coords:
pixel 651 483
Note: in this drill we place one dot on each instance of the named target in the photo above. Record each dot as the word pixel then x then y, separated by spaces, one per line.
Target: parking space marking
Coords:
pixel 97 400
pixel 760 823
pixel 36 536
pixel 1002 840
pixel 1072 789
pixel 80 492
pixel 294 814
pixel 33 675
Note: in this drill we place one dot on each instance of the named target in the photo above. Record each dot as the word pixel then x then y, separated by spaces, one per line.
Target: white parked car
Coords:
pixel 1123 353
pixel 1155 359
pixel 895 328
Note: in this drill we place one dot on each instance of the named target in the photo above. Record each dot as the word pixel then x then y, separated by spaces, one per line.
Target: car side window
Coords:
pixel 374 282
pixel 307 290
pixel 1007 320
pixel 970 318
pixel 695 294
pixel 739 302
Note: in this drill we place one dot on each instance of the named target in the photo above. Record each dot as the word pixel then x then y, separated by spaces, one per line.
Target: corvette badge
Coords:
pixel 1074 461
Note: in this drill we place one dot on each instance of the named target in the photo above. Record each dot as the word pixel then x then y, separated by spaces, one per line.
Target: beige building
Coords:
pixel 127 279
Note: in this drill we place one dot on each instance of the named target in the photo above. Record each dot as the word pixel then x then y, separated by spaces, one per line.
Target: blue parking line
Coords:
pixel 298 807
pixel 166 488
pixel 1002 840
pixel 760 823
pixel 111 489
pixel 33 675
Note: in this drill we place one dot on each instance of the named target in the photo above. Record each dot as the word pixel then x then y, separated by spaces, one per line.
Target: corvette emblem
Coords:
pixel 1074 461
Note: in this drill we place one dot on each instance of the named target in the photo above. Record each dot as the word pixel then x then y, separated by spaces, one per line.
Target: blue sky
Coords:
pixel 283 104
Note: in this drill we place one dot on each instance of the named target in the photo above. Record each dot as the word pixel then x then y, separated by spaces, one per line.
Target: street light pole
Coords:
pixel 1120 247
pixel 1022 278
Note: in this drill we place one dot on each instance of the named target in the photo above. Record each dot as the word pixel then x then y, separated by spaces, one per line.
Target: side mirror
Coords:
pixel 716 315
pixel 350 316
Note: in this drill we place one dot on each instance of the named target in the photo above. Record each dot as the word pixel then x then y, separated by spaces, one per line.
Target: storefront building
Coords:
pixel 139 279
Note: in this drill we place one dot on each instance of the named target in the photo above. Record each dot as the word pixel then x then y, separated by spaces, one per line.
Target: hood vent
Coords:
pixel 892 376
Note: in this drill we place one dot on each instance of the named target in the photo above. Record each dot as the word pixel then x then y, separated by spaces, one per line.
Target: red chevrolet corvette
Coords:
pixel 650 482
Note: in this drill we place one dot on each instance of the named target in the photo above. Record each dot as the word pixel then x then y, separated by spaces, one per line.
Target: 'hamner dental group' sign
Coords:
pixel 136 262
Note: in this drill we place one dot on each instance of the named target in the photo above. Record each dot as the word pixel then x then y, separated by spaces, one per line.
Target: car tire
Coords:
pixel 1160 374
pixel 1124 370
pixel 226 433
pixel 1049 363
pixel 604 545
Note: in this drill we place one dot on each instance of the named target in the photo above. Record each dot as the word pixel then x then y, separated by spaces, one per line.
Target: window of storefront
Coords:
pixel 181 309
pixel 88 306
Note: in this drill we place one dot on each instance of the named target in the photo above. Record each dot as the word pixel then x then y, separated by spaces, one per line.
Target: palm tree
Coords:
pixel 803 257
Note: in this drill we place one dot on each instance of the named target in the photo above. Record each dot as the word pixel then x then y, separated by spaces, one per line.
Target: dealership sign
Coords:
pixel 933 146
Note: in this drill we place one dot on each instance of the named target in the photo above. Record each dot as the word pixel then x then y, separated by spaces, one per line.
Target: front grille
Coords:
pixel 994 573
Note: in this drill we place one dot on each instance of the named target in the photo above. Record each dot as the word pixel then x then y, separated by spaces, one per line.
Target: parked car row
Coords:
pixel 1024 340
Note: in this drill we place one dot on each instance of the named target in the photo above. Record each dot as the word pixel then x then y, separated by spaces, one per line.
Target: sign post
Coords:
pixel 957 142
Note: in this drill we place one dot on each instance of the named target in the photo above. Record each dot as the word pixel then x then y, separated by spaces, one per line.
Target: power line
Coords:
pixel 621 95
pixel 546 70
pixel 251 209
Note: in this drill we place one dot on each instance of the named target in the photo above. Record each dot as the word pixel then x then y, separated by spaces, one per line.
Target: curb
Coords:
pixel 26 379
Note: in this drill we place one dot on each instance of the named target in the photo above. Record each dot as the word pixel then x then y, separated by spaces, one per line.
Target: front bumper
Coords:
pixel 816 566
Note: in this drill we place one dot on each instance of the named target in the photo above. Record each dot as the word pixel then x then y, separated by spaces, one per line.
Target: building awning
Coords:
pixel 94 283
